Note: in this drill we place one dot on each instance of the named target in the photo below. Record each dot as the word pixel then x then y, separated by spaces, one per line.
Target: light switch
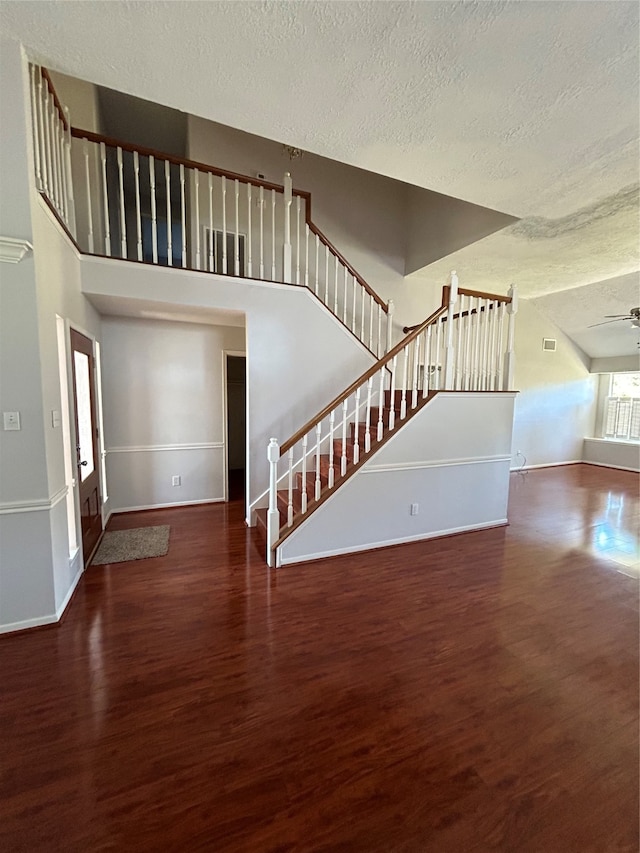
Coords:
pixel 11 420
pixel 55 419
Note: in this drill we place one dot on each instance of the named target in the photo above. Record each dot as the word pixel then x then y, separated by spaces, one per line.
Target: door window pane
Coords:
pixel 83 399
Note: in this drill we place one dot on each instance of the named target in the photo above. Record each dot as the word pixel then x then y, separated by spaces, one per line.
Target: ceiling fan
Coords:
pixel 633 315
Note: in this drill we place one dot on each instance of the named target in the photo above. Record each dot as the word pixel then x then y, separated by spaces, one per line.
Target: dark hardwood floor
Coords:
pixel 475 693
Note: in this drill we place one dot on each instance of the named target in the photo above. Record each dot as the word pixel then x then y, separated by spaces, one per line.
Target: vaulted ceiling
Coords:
pixel 530 108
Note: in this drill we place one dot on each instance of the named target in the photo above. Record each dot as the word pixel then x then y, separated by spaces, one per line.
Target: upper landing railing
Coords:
pixel 123 201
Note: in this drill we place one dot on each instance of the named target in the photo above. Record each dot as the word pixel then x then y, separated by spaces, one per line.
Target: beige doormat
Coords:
pixel 119 546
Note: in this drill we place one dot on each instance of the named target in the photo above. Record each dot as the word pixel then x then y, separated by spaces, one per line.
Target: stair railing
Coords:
pixel 139 204
pixel 459 347
pixel 52 147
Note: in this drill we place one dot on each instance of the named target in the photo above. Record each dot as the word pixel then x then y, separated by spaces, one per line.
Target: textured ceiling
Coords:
pixel 530 108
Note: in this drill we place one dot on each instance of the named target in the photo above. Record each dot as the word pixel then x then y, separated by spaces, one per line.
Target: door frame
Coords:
pixel 225 414
pixel 75 485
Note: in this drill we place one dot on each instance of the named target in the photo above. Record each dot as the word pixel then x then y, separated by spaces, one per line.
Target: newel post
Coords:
pixel 288 198
pixel 273 516
pixel 390 309
pixel 510 356
pixel 450 355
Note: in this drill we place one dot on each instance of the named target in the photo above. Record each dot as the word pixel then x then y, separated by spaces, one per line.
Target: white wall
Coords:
pixel 37 572
pixel 452 459
pixel 556 406
pixel 163 410
pixel 299 357
pixel 612 454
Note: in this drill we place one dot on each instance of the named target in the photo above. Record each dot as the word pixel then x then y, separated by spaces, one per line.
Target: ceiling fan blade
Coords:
pixel 619 316
pixel 606 322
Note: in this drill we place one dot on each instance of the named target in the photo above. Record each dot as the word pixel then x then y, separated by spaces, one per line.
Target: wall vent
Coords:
pixel 549 344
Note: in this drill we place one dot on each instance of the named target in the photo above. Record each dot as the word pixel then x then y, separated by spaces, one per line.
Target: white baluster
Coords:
pixel 326 275
pixel 36 129
pixel 355 296
pixel 87 177
pixel 483 344
pixel 428 360
pixel 70 193
pixel 335 286
pixel 379 339
pixel 273 235
pixel 249 234
pixel 318 481
pixel 475 367
pixel 167 181
pixel 273 516
pixel 367 429
pixel 356 438
pixel 390 309
pixel 196 182
pixel 317 281
pixel 43 134
pixel 380 431
pixel 306 254
pixel 392 403
pixel 509 358
pixel 344 305
pixel 332 423
pixel 105 199
pixel 463 353
pixel 262 233
pixel 154 212
pixel 437 362
pixel 343 459
pixel 414 378
pixel 287 199
pixel 136 178
pixel 450 350
pixel 64 197
pixel 371 322
pixel 183 217
pixel 224 225
pixel 211 233
pixel 491 371
pixel 236 234
pixel 403 401
pixel 123 222
pixel 297 239
pixel 52 115
pixel 500 355
pixel 362 312
pixel 457 373
pixel 304 473
pixel 290 495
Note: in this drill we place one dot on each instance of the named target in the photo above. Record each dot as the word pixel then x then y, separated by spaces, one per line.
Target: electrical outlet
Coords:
pixel 414 509
pixel 176 480
pixel 11 420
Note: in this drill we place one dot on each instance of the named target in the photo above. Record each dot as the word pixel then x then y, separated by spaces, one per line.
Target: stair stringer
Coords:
pixel 452 458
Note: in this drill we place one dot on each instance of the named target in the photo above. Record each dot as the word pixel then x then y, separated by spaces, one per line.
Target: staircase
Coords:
pixel 141 205
pixel 317 483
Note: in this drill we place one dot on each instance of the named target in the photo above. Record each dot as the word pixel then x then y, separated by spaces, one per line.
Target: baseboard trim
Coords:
pixel 74 583
pixel 25 624
pixel 607 465
pixel 388 543
pixel 546 465
pixel 142 507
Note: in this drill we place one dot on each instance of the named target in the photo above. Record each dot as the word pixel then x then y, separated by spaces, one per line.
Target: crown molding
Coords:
pixel 12 251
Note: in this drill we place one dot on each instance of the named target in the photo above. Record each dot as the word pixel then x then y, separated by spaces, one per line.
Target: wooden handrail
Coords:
pixel 315 230
pixel 361 380
pixel 90 136
pixel 47 78
pixel 463 291
pixel 480 294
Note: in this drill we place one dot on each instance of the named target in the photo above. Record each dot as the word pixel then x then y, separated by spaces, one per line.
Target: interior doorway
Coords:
pixel 86 422
pixel 236 397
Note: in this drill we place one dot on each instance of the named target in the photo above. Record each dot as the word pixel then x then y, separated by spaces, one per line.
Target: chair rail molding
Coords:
pixel 13 250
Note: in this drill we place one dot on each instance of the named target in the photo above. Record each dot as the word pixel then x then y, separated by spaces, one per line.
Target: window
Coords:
pixel 622 407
